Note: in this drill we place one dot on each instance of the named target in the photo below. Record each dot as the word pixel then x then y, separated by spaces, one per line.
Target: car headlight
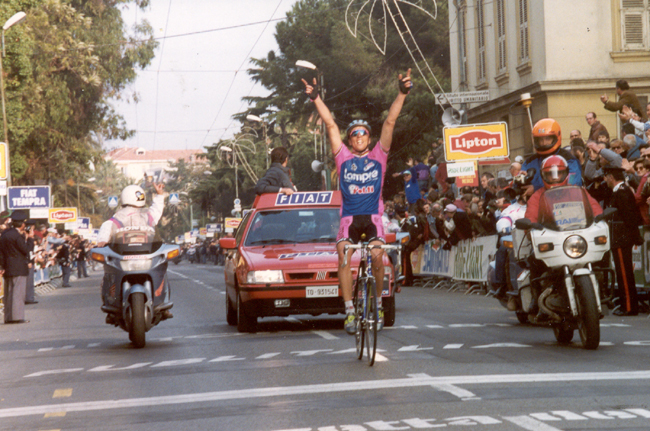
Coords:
pixel 264 277
pixel 136 264
pixel 575 246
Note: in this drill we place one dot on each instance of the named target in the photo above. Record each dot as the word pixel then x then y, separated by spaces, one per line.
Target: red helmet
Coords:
pixel 555 172
pixel 543 128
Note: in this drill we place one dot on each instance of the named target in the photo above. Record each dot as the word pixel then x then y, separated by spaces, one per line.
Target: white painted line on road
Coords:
pixel 67 347
pixel 379 357
pixel 44 373
pixel 434 326
pixel 546 417
pixel 461 393
pixel 326 335
pixel 489 346
pixel 178 362
pixel 368 385
pixel 110 367
pixel 226 359
pixel 570 416
pixel 310 352
pixel 94 344
pixel 453 346
pixel 413 348
pixel 530 424
pixel 45 349
pixel 641 412
pixel 268 355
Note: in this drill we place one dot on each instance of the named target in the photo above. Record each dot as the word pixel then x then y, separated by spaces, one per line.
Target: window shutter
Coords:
pixel 480 30
pixel 501 34
pixel 523 30
pixel 634 18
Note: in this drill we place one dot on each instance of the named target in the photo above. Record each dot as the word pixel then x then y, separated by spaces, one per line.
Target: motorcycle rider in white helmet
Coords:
pixel 133 212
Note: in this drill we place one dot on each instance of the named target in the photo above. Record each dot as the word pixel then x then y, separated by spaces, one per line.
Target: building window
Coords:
pixel 523 31
pixel 635 22
pixel 480 43
pixel 501 37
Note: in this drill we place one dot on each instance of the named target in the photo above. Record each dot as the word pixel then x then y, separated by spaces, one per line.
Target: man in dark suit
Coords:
pixel 624 235
pixel 14 261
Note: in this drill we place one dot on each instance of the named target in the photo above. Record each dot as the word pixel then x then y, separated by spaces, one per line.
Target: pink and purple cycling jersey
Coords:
pixel 360 180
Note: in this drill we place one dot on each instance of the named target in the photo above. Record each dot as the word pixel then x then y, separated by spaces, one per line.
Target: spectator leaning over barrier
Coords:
pixel 417 226
pixel 458 225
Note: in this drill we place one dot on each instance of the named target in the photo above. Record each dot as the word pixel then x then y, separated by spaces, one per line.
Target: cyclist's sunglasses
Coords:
pixel 360 132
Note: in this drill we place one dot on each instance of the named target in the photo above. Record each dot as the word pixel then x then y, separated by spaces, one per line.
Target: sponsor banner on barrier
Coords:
pixel 467 261
pixel 436 261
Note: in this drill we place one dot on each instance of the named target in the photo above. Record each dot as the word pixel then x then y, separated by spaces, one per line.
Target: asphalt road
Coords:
pixel 451 361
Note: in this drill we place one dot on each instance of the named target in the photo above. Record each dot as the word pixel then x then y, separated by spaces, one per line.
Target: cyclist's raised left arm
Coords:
pixel 405 86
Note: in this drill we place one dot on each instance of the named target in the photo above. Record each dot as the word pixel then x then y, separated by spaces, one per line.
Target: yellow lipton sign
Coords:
pixel 3 161
pixel 62 215
pixel 476 141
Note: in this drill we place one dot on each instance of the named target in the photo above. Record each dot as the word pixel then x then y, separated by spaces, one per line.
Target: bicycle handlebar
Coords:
pixel 372 246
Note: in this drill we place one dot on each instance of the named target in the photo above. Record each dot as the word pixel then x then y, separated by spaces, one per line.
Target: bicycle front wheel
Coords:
pixel 371 321
pixel 359 303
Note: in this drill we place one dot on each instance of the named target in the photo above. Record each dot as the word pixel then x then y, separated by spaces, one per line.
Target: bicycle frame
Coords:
pixel 365 299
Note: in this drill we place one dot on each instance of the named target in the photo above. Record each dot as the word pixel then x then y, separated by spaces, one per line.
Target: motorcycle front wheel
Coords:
pixel 588 316
pixel 137 332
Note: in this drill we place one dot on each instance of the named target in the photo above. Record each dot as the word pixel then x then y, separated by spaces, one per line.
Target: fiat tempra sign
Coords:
pixel 476 141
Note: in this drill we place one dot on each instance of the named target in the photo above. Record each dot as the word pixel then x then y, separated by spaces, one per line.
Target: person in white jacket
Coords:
pixel 133 212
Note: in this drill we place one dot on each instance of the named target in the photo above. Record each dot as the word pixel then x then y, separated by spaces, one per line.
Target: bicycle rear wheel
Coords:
pixel 371 322
pixel 359 303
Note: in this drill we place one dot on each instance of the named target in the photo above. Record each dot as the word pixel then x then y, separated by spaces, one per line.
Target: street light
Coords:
pixel 16 19
pixel 225 149
pixel 256 119
pixel 321 86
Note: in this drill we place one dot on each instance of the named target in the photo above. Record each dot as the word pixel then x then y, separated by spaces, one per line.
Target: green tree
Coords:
pixel 64 65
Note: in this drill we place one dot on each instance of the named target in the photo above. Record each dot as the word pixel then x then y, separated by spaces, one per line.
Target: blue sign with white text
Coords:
pixel 84 223
pixel 28 197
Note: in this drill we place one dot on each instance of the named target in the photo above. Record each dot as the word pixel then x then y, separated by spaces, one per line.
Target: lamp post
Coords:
pixel 321 86
pixel 16 19
pixel 226 149
pixel 255 118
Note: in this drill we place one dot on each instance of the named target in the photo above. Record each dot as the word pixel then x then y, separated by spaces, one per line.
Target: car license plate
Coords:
pixel 321 291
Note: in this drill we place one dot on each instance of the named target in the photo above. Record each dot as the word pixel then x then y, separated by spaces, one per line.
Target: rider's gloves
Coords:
pixel 314 92
pixel 402 86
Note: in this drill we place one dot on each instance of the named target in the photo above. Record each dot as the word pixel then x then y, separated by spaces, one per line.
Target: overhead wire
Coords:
pixel 246 59
pixel 162 50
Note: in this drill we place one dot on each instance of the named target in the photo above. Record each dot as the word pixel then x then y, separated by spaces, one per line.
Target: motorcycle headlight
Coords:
pixel 264 277
pixel 575 246
pixel 136 264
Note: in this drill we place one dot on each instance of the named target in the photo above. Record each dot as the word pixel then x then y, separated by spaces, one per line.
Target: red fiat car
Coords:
pixel 283 260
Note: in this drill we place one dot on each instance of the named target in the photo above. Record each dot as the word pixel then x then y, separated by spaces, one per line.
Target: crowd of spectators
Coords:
pixel 204 251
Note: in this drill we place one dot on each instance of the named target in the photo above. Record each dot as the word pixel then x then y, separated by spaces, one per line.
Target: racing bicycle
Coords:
pixel 365 300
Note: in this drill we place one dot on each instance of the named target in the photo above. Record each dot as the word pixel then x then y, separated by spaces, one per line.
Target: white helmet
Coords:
pixel 133 195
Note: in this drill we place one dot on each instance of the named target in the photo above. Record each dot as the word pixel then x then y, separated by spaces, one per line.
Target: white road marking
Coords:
pixel 490 346
pixel 310 352
pixel 110 367
pixel 326 335
pixel 530 424
pixel 570 416
pixel 268 355
pixel 94 345
pixel 179 362
pixel 354 386
pixel 461 393
pixel 413 348
pixel 379 357
pixel 226 359
pixel 434 326
pixel 44 373
pixel 453 346
pixel 641 412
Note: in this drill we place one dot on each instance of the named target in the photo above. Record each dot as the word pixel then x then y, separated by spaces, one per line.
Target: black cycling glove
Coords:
pixel 314 93
pixel 402 86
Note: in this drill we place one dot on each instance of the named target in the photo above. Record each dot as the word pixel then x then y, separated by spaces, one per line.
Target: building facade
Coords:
pixel 135 163
pixel 566 54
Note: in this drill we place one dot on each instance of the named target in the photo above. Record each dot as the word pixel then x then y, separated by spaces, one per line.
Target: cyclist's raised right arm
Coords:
pixel 333 132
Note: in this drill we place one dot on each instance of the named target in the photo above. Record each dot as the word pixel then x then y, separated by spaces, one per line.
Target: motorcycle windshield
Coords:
pixel 135 240
pixel 565 208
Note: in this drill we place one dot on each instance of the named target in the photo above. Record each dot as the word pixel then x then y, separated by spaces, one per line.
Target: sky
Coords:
pixel 196 81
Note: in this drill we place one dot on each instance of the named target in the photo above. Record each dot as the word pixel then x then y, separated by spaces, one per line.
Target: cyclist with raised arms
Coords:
pixel 361 174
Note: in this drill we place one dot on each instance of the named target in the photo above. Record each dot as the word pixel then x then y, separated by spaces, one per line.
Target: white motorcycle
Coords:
pixel 567 241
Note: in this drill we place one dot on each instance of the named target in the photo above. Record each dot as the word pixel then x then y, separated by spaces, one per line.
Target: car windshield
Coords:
pixel 294 226
pixel 565 208
pixel 135 240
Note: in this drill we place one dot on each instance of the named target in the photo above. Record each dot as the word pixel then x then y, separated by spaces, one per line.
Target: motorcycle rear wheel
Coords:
pixel 588 316
pixel 137 332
